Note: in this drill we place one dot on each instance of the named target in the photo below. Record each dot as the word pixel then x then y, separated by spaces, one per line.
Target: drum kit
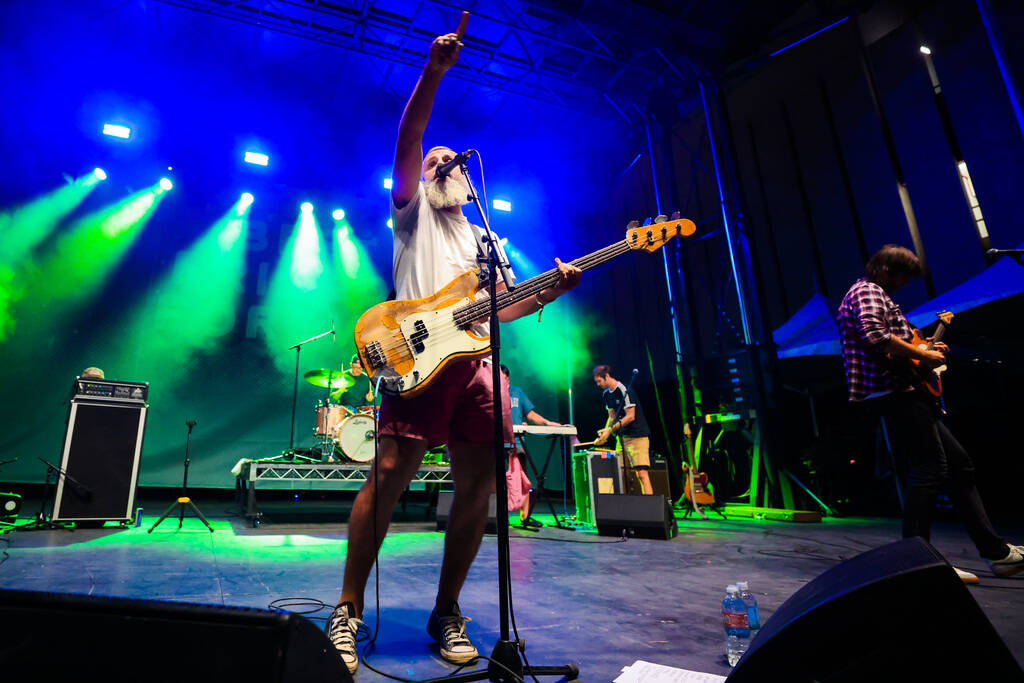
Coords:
pixel 342 433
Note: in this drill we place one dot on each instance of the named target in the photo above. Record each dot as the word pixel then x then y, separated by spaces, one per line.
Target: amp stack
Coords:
pixel 102 446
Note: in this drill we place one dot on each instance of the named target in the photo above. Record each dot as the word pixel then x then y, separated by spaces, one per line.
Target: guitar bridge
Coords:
pixel 375 355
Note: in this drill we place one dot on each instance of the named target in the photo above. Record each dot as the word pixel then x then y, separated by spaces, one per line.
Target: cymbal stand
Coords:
pixel 290 453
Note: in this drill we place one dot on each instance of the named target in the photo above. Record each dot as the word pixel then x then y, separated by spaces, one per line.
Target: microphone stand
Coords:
pixel 290 453
pixel 505 664
pixel 42 520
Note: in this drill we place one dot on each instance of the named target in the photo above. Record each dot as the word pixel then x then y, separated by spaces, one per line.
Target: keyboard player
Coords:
pixel 519 484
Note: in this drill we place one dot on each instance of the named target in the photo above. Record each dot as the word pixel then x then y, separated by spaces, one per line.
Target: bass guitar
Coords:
pixel 408 343
pixel 930 379
pixel 696 486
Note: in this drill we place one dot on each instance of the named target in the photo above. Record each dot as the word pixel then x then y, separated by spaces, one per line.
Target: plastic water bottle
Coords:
pixel 737 625
pixel 753 616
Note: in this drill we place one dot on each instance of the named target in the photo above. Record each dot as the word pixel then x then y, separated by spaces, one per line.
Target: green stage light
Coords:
pixel 244 202
pixel 362 285
pixel 306 207
pixel 300 301
pixel 188 310
pixel 100 173
pixel 338 214
pixel 166 184
pixel 76 265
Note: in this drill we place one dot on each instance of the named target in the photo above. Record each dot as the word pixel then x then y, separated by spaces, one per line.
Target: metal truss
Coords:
pixel 336 472
pixel 591 59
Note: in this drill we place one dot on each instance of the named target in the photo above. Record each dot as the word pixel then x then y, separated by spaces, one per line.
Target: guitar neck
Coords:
pixel 538 283
pixel 937 337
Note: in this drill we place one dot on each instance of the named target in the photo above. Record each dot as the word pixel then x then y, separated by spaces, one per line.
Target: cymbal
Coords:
pixel 335 379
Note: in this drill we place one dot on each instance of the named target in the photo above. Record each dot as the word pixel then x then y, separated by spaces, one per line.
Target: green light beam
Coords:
pixel 190 309
pixel 22 228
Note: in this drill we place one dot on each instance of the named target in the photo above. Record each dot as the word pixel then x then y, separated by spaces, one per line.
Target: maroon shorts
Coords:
pixel 457 406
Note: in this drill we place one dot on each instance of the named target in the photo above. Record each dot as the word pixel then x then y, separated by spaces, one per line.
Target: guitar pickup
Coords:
pixel 375 355
pixel 419 333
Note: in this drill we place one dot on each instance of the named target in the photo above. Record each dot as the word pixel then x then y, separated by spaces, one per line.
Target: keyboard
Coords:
pixel 545 430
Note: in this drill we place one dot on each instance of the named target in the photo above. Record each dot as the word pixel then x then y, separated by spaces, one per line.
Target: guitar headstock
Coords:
pixel 654 234
pixel 944 316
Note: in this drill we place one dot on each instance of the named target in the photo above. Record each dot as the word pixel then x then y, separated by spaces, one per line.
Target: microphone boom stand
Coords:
pixel 505 664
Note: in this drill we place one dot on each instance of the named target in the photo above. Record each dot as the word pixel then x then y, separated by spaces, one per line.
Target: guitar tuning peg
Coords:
pixel 661 218
pixel 675 215
pixel 647 221
pixel 632 225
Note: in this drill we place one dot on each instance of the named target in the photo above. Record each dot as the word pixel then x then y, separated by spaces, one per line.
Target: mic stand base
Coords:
pixel 506 666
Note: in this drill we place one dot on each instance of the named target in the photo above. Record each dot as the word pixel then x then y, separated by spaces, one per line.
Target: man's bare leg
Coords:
pixel 398 460
pixel 645 481
pixel 473 472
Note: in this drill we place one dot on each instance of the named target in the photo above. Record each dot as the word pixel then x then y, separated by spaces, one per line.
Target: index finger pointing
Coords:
pixel 461 31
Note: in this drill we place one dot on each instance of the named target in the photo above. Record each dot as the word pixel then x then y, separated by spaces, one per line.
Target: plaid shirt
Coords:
pixel 867 319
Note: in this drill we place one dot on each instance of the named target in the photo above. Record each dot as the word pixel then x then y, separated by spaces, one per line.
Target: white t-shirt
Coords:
pixel 432 248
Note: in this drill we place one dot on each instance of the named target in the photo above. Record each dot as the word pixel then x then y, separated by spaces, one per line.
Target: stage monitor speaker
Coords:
pixel 896 613
pixel 102 446
pixel 63 637
pixel 444 506
pixel 635 515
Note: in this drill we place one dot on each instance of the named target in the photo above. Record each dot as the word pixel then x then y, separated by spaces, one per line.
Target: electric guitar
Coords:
pixel 408 343
pixel 930 379
pixel 696 486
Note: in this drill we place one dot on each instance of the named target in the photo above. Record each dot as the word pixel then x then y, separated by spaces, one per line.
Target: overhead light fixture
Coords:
pixel 391 224
pixel 338 214
pixel 925 50
pixel 99 173
pixel 306 207
pixel 257 158
pixel 502 205
pixel 387 183
pixel 116 130
pixel 166 184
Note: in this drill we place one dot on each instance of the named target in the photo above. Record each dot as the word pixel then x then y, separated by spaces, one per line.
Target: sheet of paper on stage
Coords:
pixel 605 485
pixel 648 672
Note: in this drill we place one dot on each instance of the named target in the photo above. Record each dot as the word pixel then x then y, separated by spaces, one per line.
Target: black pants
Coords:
pixel 934 457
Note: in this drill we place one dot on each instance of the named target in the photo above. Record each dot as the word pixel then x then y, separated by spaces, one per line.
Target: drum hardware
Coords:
pixel 330 379
pixel 290 454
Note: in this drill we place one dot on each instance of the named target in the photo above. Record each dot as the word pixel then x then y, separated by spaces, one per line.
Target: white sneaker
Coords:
pixel 450 633
pixel 966 577
pixel 342 630
pixel 1012 564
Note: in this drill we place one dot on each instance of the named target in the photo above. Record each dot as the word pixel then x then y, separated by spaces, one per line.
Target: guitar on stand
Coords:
pixel 697 485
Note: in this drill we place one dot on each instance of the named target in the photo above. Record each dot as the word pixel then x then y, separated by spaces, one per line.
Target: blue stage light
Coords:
pixel 502 205
pixel 116 130
pixel 257 158
pixel 391 224
pixel 387 183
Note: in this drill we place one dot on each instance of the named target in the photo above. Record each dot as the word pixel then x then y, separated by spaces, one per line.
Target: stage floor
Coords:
pixel 591 600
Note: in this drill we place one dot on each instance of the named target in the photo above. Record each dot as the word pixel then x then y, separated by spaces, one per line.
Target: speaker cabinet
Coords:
pixel 444 506
pixel 87 638
pixel 659 477
pixel 635 515
pixel 102 446
pixel 896 613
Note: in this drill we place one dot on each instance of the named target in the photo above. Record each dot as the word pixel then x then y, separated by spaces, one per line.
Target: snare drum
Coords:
pixel 328 417
pixel 355 436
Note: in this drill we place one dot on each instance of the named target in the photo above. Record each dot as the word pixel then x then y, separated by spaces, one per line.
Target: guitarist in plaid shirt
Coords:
pixel 875 336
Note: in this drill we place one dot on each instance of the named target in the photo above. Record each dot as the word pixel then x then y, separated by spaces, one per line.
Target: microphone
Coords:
pixel 995 253
pixel 443 170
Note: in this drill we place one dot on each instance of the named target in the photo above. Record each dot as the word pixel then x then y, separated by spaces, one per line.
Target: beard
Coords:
pixel 443 194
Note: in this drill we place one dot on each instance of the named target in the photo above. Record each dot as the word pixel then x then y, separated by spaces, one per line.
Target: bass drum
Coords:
pixel 355 436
